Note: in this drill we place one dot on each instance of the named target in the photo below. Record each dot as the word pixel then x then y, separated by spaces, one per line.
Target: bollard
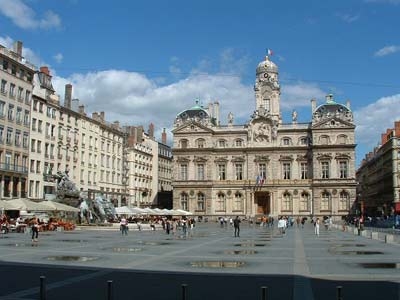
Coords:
pixel 339 293
pixel 184 291
pixel 109 289
pixel 264 290
pixel 42 288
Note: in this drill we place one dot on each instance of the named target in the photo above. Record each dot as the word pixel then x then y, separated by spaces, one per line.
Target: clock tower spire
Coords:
pixel 267 90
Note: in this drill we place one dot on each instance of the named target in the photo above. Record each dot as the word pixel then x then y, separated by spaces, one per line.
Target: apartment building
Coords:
pixel 16 79
pixel 378 177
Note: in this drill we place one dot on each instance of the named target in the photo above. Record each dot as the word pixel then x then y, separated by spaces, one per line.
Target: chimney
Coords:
pixel 116 124
pixel 68 95
pixel 348 104
pixel 95 116
pixel 216 111
pixel 164 137
pixel 313 105
pixel 211 110
pixel 102 115
pixel 75 104
pixel 139 134
pixel 45 70
pixel 81 109
pixel 18 48
pixel 151 131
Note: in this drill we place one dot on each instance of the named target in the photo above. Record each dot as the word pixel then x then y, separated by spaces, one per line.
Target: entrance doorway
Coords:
pixel 263 202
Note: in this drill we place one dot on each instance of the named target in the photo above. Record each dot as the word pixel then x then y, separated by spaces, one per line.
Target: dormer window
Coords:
pixel 221 143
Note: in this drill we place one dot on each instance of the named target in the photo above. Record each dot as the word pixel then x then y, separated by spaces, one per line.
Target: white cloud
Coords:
pixel 25 17
pixel 387 50
pixel 395 2
pixel 134 99
pixel 299 95
pixel 373 119
pixel 58 57
pixel 348 18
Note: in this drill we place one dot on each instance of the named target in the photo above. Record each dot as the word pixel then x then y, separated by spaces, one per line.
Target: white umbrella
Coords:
pixel 137 210
pixel 124 210
pixel 149 211
pixel 182 212
pixel 4 205
pixel 28 205
pixel 60 206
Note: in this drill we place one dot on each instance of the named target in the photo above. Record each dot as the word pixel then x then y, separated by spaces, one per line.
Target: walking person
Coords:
pixel 124 226
pixel 35 230
pixel 316 227
pixel 236 225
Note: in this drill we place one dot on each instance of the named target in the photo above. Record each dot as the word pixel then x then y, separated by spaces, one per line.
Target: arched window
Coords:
pixel 200 201
pixel 286 141
pixel 286 202
pixel 238 202
pixel 341 139
pixel 184 201
pixel 238 143
pixel 324 140
pixel 184 143
pixel 221 202
pixel 221 144
pixel 325 201
pixel 344 200
pixel 304 200
pixel 200 143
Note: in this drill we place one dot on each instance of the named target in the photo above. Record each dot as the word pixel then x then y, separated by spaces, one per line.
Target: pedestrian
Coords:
pixel 236 225
pixel 124 226
pixel 281 225
pixel 35 230
pixel 167 227
pixel 316 227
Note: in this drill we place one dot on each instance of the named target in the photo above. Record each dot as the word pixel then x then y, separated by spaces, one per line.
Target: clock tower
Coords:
pixel 267 90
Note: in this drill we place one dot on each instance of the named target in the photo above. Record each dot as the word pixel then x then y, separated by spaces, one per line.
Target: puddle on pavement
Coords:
pixel 380 265
pixel 72 258
pixel 153 243
pixel 249 245
pixel 126 249
pixel 355 252
pixel 73 241
pixel 21 244
pixel 217 264
pixel 240 252
pixel 348 245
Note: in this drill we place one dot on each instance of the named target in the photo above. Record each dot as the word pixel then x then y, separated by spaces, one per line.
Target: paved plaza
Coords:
pixel 99 263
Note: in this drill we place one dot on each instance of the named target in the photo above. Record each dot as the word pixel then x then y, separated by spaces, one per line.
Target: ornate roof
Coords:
pixel 266 66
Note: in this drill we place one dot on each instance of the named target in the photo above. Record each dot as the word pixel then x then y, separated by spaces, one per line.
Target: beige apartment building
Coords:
pixel 16 79
pixel 65 141
pixel 265 166
pixel 378 177
pixel 148 165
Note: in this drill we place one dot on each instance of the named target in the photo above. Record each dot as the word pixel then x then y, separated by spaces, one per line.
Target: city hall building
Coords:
pixel 265 167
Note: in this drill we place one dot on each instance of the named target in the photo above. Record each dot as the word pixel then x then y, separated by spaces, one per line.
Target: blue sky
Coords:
pixel 144 62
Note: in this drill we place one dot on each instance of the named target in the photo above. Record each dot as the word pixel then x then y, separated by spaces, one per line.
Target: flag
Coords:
pixel 270 52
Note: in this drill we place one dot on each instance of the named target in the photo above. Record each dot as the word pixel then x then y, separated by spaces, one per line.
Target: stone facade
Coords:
pixel 265 167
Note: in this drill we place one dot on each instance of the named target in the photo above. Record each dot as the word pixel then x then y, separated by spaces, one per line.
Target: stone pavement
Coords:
pixel 209 261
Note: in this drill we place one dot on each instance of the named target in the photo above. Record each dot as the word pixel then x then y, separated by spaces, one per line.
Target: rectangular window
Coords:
pixel 9 136
pixel 200 172
pixel 3 87
pixel 343 169
pixel 183 172
pixel 2 108
pixel 325 169
pixel 12 90
pixel 325 201
pixel 304 170
pixel 221 172
pixel 239 171
pixel 10 112
pixel 262 170
pixel 286 170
